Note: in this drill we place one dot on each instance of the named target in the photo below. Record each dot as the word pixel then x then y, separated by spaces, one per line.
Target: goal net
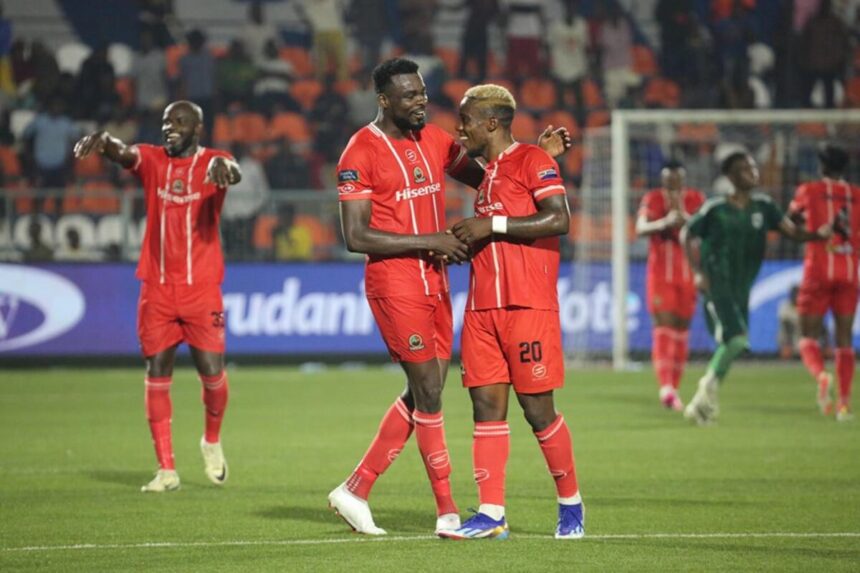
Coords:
pixel 623 162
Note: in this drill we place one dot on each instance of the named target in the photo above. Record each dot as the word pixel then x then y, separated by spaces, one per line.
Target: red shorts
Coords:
pixel 678 298
pixel 815 298
pixel 170 314
pixel 520 346
pixel 415 328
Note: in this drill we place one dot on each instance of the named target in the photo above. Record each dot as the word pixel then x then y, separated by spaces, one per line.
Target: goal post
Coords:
pixel 637 142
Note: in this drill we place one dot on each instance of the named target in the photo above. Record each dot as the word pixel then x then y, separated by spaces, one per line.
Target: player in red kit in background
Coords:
pixel 829 274
pixel 181 268
pixel 512 331
pixel 391 185
pixel 670 291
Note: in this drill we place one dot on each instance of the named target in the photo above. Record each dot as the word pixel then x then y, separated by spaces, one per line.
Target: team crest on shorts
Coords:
pixel 217 318
pixel 416 342
pixel 757 220
pixel 418 175
pixel 539 371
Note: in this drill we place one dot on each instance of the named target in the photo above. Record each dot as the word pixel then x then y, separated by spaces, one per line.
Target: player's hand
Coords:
pixel 94 142
pixel 448 248
pixel 555 142
pixel 674 219
pixel 473 229
pixel 703 285
pixel 222 172
pixel 825 231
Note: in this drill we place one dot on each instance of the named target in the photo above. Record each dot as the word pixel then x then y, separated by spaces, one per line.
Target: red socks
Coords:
pixel 844 373
pixel 394 431
pixel 682 351
pixel 557 448
pixel 158 412
pixel 215 392
pixel 430 435
pixel 491 446
pixel 662 352
pixel 810 353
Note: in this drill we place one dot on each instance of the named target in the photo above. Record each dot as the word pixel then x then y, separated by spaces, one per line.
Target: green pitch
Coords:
pixel 774 487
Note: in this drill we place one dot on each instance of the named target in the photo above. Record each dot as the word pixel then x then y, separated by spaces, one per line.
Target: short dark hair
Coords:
pixel 729 162
pixel 673 164
pixel 833 158
pixel 383 73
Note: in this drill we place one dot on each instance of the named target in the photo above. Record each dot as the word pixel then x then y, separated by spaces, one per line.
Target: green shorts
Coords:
pixel 727 315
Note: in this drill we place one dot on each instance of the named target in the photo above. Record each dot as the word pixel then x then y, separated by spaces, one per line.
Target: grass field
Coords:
pixel 773 487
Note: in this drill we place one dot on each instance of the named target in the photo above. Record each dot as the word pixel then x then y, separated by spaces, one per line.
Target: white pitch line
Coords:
pixel 275 542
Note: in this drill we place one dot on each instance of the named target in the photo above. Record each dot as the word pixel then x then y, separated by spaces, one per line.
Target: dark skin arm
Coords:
pixel 552 218
pixel 799 233
pixel 361 238
pixel 691 250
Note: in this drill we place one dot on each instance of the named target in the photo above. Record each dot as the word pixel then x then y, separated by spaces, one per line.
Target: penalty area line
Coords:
pixel 388 539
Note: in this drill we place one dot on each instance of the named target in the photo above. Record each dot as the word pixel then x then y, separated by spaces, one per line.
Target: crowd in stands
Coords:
pixel 287 107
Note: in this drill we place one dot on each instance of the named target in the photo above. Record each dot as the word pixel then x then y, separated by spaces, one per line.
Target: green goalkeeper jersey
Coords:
pixel 733 241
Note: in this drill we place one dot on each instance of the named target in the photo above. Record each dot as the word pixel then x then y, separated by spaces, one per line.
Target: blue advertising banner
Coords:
pixel 91 309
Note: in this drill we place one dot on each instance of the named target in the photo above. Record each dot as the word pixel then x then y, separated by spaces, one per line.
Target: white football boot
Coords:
pixel 215 464
pixel 164 480
pixel 353 510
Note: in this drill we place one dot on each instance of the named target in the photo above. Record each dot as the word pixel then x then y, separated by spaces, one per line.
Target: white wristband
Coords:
pixel 500 224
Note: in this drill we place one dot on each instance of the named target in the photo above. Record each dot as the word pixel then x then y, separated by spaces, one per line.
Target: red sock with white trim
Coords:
pixel 215 393
pixel 394 431
pixel 430 435
pixel 491 446
pixel 557 448
pixel 845 373
pixel 680 355
pixel 810 353
pixel 158 412
pixel 661 355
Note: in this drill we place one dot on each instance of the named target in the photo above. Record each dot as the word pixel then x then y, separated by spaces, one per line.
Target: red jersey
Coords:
pixel 820 202
pixel 181 244
pixel 405 180
pixel 666 260
pixel 509 272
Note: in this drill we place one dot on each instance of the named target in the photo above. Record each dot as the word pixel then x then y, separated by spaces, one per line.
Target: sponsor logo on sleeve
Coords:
pixel 547 173
pixel 346 187
pixel 346 175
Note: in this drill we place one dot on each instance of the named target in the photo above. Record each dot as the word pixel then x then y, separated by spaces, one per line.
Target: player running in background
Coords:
pixel 732 232
pixel 181 268
pixel 829 274
pixel 670 290
pixel 512 332
pixel 391 185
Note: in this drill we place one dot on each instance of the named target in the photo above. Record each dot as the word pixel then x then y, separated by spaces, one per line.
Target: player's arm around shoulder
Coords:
pixel 106 145
pixel 223 171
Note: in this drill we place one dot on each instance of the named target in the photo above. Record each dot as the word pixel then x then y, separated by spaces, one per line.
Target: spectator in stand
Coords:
pixel 257 33
pixel 330 115
pixel 7 77
pixel 568 45
pixel 474 45
pixel 419 48
pixel 524 31
pixel 38 251
pixel 235 75
pixel 157 18
pixel 325 18
pixel 736 91
pixel 676 20
pixel 73 250
pixel 616 54
pixel 369 20
pixel 416 24
pixel 197 79
pixel 274 78
pixel 825 50
pixel 96 74
pixel 46 72
pixel 22 67
pixel 733 34
pixel 242 204
pixel 149 72
pixel 287 170
pixel 362 104
pixel 291 242
pixel 122 123
pixel 51 136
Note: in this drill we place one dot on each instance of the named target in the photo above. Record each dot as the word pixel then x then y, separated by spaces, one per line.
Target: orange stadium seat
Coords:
pixel 89 166
pixel 598 118
pixel 561 118
pixel 306 93
pixel 321 234
pixel 852 92
pixel 445 119
pixel 538 94
pixel 661 92
pixel 573 161
pixel 591 94
pixel 125 88
pixel 818 130
pixel 450 58
pixel 644 62
pixel 299 58
pixel 172 55
pixel 345 87
pixel 249 127
pixel 263 227
pixel 222 131
pixel 525 128
pixel 291 126
pixel 9 162
pixel 454 89
pixel 697 132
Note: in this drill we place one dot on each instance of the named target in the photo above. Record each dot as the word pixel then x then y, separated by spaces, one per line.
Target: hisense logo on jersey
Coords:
pixel 36 306
pixel 418 192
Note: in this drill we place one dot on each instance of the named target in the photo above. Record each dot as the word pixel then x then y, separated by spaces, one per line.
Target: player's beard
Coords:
pixel 404 124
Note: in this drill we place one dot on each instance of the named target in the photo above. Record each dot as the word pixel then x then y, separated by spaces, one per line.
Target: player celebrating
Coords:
pixel 829 274
pixel 670 291
pixel 181 268
pixel 391 185
pixel 512 332
pixel 732 232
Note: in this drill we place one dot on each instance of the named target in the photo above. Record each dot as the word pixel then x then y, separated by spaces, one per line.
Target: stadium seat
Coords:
pixel 598 118
pixel 125 89
pixel 121 57
pixel 321 234
pixel 299 58
pixel 345 87
pixel 306 93
pixel 852 92
pixel 661 92
pixel 591 94
pixel 89 166
pixel 644 62
pixel 71 56
pixel 9 162
pixel 222 131
pixel 451 59
pixel 454 90
pixel 573 161
pixel 291 126
pixel 697 132
pixel 445 119
pixel 249 127
pixel 561 118
pixel 538 94
pixel 172 55
pixel 525 128
pixel 263 227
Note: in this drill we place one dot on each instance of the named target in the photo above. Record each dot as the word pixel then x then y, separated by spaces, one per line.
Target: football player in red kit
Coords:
pixel 181 268
pixel 829 274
